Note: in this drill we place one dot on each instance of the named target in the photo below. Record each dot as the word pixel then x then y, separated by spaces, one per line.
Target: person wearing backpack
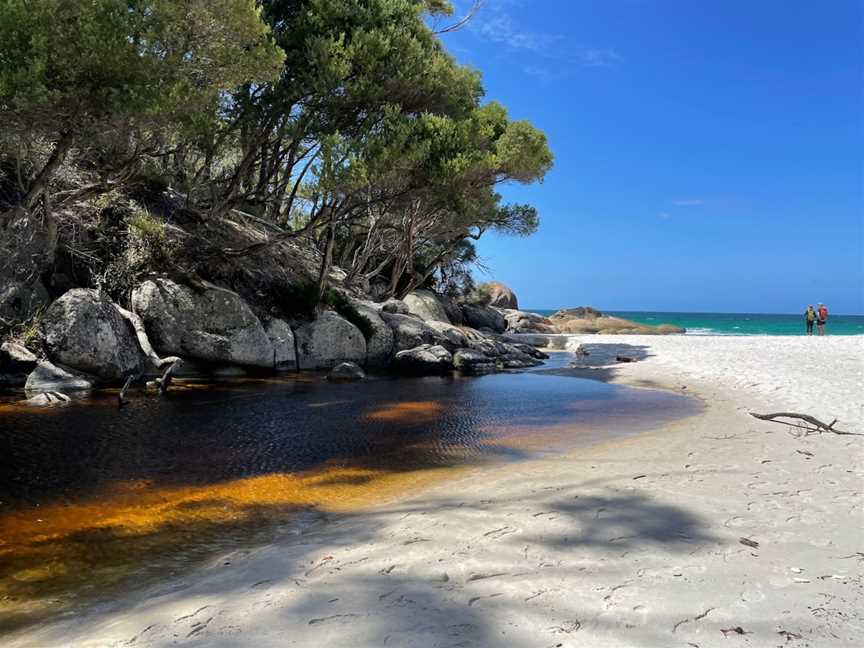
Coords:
pixel 821 318
pixel 810 318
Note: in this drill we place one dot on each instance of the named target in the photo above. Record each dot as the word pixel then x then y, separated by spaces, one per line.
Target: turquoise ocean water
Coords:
pixel 741 323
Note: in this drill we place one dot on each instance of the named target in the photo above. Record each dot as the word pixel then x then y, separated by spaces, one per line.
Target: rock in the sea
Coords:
pixel 210 323
pixel 425 304
pixel 346 371
pixel 410 332
pixel 16 361
pixel 581 312
pixel 480 317
pixel 82 329
pixel 47 399
pixel 524 322
pixel 516 359
pixel 329 340
pixel 51 377
pixel 471 361
pixel 379 336
pixel 500 296
pixel 427 359
pixel 282 339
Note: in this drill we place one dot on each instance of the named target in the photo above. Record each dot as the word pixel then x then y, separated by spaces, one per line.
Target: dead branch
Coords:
pixel 815 424
pixel 121 397
pixel 165 380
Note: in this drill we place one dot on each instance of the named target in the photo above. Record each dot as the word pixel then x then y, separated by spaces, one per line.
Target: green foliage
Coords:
pixel 81 67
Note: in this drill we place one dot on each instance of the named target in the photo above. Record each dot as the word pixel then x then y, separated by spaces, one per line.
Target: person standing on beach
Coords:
pixel 810 318
pixel 821 318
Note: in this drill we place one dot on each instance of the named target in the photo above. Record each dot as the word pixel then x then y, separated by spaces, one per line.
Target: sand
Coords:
pixel 631 543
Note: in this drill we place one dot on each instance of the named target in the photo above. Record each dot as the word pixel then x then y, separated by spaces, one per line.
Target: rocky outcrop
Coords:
pixel 426 306
pixel 49 377
pixel 379 336
pixel 210 323
pixel 589 320
pixel 16 361
pixel 346 372
pixel 475 362
pixel 82 329
pixel 410 332
pixel 524 322
pixel 480 317
pixel 455 338
pixel 499 295
pixel 427 359
pixel 329 340
pixel 282 340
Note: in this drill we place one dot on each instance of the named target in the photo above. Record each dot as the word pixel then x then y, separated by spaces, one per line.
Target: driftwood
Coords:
pixel 121 397
pixel 165 380
pixel 815 425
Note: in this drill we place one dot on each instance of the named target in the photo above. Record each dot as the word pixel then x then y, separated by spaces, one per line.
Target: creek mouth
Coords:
pixel 93 498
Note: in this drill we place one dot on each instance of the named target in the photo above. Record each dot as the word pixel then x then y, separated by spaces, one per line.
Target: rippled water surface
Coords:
pixel 92 496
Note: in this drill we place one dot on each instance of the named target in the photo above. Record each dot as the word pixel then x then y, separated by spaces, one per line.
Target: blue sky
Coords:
pixel 708 154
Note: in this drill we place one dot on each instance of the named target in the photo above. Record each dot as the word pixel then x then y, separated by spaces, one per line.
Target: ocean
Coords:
pixel 739 323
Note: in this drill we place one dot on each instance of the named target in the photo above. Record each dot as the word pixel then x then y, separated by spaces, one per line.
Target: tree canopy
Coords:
pixel 344 123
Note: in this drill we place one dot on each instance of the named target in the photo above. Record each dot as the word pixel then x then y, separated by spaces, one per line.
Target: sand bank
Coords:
pixel 632 543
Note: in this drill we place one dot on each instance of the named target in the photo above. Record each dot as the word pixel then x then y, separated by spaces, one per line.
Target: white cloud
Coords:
pixel 495 24
pixel 688 202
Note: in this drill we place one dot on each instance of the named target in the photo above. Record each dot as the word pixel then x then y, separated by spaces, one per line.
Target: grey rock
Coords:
pixel 47 399
pixel 471 361
pixel 395 306
pixel 83 330
pixel 525 322
pixel 427 359
pixel 282 340
pixel 346 371
pixel 530 350
pixel 425 304
pixel 329 340
pixel 51 377
pixel 456 339
pixel 212 323
pixel 379 336
pixel 480 317
pixel 500 296
pixel 410 332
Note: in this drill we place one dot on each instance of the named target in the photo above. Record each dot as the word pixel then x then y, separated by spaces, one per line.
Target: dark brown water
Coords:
pixel 92 496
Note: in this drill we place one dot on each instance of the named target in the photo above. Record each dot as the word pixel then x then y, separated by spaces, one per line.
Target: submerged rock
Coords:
pixel 47 399
pixel 346 371
pixel 50 377
pixel 427 359
pixel 425 304
pixel 82 329
pixel 329 340
pixel 211 323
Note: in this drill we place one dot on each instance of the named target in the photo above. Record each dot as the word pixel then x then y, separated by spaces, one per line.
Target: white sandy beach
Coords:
pixel 630 543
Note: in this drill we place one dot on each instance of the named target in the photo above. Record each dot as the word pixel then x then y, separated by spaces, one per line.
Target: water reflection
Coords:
pixel 93 496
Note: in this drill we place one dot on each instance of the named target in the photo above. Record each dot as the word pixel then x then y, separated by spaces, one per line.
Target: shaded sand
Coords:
pixel 631 543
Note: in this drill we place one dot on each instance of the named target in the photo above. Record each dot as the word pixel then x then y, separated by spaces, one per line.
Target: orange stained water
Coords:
pixel 94 498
